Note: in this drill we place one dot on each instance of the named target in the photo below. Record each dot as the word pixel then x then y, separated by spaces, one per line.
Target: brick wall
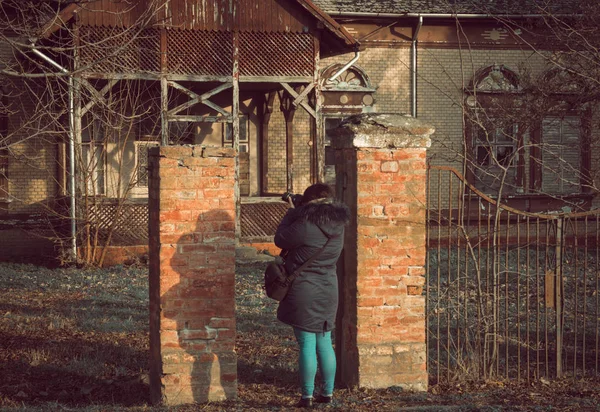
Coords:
pixel 192 274
pixel 389 72
pixel 443 73
pixel 302 150
pixel 277 174
pixel 32 164
pixel 381 339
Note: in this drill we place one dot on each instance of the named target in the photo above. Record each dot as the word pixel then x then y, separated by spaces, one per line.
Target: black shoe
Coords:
pixel 305 403
pixel 324 399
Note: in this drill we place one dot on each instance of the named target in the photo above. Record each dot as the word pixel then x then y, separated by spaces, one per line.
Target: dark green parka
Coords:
pixel 311 303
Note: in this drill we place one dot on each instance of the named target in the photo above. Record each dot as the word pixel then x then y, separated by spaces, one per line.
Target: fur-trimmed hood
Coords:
pixel 330 216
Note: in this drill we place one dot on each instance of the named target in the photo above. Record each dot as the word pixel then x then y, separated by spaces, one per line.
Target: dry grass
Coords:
pixel 74 339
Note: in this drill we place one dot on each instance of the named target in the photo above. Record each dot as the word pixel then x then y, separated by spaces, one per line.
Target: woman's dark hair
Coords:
pixel 317 191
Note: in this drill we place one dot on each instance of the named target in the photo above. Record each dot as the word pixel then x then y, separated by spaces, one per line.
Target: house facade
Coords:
pixel 271 78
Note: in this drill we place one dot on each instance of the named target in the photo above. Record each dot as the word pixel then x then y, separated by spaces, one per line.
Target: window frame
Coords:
pixel 498 103
pixel 136 168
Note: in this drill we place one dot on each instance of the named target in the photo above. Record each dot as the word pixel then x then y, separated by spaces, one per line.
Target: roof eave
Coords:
pixel 333 26
pixel 59 21
pixel 446 15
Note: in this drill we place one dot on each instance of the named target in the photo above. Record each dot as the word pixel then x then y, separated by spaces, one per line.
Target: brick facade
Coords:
pixel 442 76
pixel 192 274
pixel 382 176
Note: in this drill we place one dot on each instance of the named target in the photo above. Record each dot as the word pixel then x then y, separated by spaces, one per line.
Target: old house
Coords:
pixel 271 78
pixel 90 86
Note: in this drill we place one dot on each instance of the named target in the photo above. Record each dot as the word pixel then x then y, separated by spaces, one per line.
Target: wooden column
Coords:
pixel 164 90
pixel 235 114
pixel 77 148
pixel 289 110
pixel 319 146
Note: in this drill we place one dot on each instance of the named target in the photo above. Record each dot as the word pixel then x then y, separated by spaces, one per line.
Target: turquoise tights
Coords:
pixel 313 347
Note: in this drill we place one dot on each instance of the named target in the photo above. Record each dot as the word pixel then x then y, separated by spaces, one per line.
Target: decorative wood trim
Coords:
pixel 100 96
pixel 302 96
pixel 295 95
pixel 196 98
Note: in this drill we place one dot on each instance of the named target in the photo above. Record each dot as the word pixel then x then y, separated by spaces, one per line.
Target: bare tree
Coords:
pixel 48 101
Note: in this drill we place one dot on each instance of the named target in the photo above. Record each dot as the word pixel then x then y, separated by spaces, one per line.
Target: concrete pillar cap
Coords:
pixel 382 130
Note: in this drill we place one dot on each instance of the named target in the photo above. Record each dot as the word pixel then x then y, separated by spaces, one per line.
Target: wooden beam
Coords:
pixel 319 144
pixel 235 113
pixel 199 78
pixel 200 119
pixel 59 20
pixel 102 93
pixel 304 105
pixel 303 95
pixel 215 107
pixel 164 112
pixel 275 79
pixel 164 91
pixel 120 76
pixel 155 76
pixel 196 98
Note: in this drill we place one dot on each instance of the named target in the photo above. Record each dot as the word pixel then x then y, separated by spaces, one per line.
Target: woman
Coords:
pixel 311 304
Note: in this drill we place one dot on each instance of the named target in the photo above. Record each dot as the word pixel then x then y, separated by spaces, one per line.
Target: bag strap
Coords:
pixel 296 272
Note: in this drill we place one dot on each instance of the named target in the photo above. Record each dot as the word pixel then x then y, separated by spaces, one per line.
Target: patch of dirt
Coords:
pixel 78 339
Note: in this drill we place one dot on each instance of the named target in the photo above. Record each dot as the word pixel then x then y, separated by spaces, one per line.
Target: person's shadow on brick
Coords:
pixel 194 328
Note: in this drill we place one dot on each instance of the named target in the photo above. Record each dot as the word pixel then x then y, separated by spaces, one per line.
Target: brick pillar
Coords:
pixel 192 274
pixel 381 176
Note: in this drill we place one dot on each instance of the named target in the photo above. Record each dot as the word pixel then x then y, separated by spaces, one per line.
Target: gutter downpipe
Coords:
pixel 71 146
pixel 413 49
pixel 346 66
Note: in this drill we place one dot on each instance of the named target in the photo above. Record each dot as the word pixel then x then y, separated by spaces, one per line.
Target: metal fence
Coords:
pixel 510 294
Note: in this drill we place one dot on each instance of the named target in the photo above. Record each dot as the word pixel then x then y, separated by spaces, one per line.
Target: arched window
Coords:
pixel 349 93
pixel 560 155
pixel 527 140
pixel 494 133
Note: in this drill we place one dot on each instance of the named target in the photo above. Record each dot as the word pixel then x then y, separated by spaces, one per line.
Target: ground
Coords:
pixel 77 339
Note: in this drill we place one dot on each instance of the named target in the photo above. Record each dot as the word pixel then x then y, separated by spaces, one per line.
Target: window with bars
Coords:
pixel 141 162
pixel 244 139
pixel 495 151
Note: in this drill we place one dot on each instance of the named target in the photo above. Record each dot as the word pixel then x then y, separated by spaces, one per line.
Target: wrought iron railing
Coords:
pixel 510 294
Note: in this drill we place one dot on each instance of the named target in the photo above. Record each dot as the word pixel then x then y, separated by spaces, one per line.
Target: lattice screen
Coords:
pixel 199 52
pixel 276 54
pixel 259 220
pixel 117 50
pixel 131 227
